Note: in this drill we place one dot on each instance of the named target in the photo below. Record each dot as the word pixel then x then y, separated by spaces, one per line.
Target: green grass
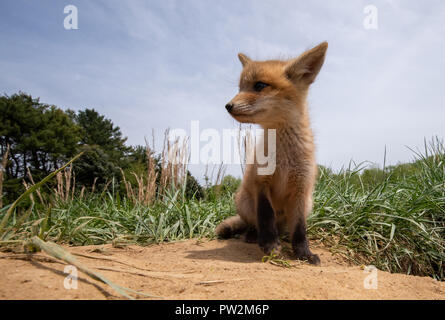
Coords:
pixel 392 218
pixel 396 224
pixel 98 220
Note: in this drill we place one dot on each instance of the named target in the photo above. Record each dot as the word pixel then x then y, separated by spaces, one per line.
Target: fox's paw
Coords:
pixel 251 236
pixel 223 231
pixel 312 258
pixel 268 247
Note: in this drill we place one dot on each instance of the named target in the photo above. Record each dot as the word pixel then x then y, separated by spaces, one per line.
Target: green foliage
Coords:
pixel 31 190
pixel 98 131
pixel 193 189
pixel 95 165
pixel 40 136
pixel 227 187
pixel 230 184
pixel 137 164
pixel 138 154
pixel 104 145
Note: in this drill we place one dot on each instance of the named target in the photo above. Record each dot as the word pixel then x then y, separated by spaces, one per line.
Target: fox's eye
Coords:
pixel 258 86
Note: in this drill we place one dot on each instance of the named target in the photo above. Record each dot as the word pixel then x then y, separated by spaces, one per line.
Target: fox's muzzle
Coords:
pixel 229 107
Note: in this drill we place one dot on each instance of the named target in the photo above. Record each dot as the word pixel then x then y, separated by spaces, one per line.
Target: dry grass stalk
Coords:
pixel 59 253
pixel 221 173
pixel 145 190
pixel 2 173
pixel 31 196
pixel 165 173
pixel 149 194
pixel 82 192
pixel 64 190
pixel 39 194
pixel 106 186
pixel 93 188
pixel 73 188
pixel 174 159
pixel 128 187
pixel 173 172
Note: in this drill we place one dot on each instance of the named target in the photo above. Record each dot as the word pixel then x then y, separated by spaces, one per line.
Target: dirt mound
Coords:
pixel 194 269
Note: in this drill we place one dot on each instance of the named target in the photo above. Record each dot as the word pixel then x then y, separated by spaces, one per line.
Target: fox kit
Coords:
pixel 273 94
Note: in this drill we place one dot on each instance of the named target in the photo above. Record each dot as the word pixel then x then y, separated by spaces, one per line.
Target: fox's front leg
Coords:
pixel 267 230
pixel 297 227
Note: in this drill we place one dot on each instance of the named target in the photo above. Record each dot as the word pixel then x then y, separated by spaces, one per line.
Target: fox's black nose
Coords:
pixel 229 107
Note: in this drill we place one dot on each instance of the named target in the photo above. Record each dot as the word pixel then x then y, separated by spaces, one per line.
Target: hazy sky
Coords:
pixel 158 64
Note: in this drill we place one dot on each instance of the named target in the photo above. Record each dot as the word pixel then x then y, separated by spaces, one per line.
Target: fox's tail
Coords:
pixel 230 227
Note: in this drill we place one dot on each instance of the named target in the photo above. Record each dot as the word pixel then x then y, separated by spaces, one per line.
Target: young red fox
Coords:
pixel 273 94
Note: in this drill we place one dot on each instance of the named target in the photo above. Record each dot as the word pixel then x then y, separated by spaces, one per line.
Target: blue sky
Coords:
pixel 158 64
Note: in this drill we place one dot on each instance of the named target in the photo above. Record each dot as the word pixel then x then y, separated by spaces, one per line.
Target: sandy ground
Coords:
pixel 230 269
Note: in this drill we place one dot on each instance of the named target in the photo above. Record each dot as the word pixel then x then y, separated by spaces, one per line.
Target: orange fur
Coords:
pixel 280 105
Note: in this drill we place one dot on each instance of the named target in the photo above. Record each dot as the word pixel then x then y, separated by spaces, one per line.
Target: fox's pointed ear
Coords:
pixel 307 65
pixel 244 59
